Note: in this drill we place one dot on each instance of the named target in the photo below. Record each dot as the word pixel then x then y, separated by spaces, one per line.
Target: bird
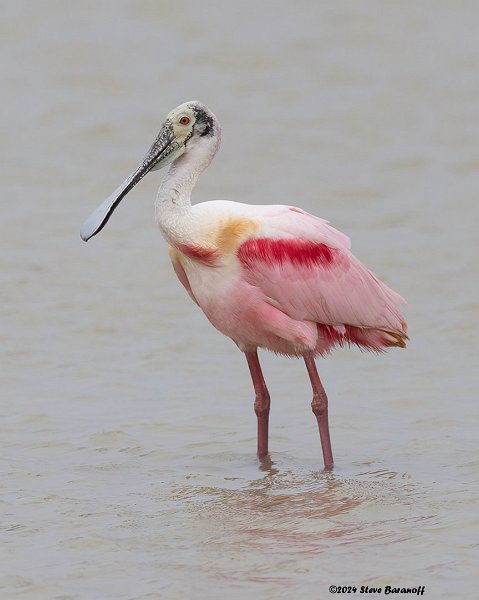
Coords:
pixel 271 277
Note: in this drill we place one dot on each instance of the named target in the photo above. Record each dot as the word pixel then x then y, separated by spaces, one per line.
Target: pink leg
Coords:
pixel 320 409
pixel 261 403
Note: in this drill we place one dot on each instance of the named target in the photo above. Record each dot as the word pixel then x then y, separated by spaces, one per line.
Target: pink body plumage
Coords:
pixel 289 292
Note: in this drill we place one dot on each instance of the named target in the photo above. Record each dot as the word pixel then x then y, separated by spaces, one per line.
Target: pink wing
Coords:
pixel 304 267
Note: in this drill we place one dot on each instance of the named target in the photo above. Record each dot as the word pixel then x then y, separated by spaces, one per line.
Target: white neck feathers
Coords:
pixel 173 201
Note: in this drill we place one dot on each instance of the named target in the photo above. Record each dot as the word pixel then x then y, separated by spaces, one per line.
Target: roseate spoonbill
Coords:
pixel 271 277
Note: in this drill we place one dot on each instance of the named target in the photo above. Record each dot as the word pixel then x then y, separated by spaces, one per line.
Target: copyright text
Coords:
pixel 386 590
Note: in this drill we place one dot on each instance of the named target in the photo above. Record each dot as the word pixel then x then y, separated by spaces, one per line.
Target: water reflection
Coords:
pixel 291 513
pixel 294 506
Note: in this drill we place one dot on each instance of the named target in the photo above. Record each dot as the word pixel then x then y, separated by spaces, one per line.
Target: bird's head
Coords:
pixel 188 128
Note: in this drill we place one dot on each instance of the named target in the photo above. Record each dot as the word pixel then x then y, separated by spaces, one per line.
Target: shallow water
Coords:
pixel 128 433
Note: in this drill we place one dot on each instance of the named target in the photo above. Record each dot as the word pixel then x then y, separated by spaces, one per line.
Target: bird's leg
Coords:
pixel 261 403
pixel 320 409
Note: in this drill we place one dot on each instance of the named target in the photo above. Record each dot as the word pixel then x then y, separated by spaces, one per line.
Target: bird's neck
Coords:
pixel 177 185
pixel 173 202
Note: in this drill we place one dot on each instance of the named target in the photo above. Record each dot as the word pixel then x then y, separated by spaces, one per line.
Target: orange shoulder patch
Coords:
pixel 232 232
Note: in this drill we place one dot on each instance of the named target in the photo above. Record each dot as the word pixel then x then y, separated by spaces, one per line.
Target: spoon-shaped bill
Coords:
pixel 163 151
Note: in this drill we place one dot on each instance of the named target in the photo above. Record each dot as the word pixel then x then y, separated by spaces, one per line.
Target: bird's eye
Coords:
pixel 184 121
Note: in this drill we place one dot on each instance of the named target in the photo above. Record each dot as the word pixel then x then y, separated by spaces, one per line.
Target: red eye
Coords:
pixel 184 121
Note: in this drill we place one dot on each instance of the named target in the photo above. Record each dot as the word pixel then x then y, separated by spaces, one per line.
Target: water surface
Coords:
pixel 128 433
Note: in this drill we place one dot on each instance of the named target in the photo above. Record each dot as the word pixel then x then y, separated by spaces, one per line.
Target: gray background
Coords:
pixel 128 434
